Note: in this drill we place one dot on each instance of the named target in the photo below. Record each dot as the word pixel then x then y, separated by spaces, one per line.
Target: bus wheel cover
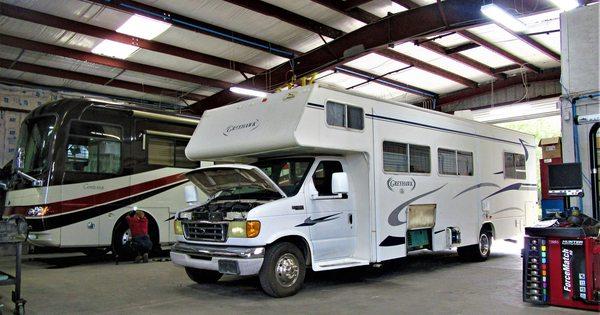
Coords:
pixel 283 270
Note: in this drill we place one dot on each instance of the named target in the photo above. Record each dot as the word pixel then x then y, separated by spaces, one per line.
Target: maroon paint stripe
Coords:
pixel 101 198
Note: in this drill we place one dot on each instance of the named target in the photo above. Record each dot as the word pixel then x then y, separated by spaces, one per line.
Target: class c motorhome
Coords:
pixel 321 178
pixel 83 164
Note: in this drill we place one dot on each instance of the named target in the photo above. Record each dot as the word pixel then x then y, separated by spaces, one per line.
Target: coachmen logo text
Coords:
pixel 401 185
pixel 249 126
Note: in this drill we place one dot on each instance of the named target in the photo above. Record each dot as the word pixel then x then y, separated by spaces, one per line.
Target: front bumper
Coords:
pixel 235 260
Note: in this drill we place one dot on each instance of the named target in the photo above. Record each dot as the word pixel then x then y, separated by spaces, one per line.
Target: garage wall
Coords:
pixel 15 103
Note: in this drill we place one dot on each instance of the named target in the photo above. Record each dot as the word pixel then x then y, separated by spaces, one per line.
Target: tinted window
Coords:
pixel 395 157
pixel 168 152
pixel 342 115
pixel 94 148
pixel 322 176
pixel 514 165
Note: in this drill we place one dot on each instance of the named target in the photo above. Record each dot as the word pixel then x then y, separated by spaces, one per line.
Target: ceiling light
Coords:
pixel 143 27
pixel 566 5
pixel 114 49
pixel 239 90
pixel 500 16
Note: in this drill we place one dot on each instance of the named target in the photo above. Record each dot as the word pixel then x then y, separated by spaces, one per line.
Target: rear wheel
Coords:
pixel 480 251
pixel 203 276
pixel 283 270
pixel 121 236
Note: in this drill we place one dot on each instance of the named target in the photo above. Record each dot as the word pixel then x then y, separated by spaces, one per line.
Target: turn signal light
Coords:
pixel 252 228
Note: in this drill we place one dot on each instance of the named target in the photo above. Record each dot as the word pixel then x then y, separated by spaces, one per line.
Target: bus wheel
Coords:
pixel 480 251
pixel 120 240
pixel 283 270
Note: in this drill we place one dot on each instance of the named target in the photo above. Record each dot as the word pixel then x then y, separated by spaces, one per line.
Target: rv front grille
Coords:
pixel 205 231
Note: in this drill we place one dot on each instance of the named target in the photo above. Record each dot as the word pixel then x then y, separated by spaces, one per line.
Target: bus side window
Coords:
pixel 168 152
pixel 94 148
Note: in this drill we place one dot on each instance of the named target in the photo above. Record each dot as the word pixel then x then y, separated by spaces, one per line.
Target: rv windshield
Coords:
pixel 36 139
pixel 288 173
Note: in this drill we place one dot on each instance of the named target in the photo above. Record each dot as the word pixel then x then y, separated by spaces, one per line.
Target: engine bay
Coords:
pixel 224 210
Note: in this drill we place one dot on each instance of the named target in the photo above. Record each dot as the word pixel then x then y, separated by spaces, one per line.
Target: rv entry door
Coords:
pixel 331 216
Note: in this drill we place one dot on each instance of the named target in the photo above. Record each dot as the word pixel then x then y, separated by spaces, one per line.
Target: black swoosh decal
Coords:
pixel 310 222
pixel 392 241
pixel 517 186
pixel 393 218
pixel 497 173
pixel 475 187
pixel 78 216
pixel 523 142
pixel 508 209
pixel 440 231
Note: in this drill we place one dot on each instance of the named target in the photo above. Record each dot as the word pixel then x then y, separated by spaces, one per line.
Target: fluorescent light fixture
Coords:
pixel 143 27
pixel 114 49
pixel 498 15
pixel 240 90
pixel 566 5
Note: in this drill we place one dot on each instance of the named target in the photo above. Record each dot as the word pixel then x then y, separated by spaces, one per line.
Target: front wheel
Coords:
pixel 480 251
pixel 203 276
pixel 283 270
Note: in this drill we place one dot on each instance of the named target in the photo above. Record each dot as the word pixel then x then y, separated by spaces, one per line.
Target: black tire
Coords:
pixel 118 245
pixel 203 276
pixel 283 270
pixel 480 251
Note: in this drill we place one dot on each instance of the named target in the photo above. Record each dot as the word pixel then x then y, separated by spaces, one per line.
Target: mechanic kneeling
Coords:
pixel 141 243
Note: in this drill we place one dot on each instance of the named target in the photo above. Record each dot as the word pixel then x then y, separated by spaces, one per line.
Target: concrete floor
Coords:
pixel 425 283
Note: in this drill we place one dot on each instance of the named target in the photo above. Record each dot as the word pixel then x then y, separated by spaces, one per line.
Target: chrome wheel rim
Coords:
pixel 125 237
pixel 484 244
pixel 287 270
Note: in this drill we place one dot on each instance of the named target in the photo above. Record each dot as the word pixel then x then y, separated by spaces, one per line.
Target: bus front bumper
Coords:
pixel 243 261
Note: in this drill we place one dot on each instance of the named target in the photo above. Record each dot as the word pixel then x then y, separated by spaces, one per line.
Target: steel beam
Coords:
pixel 394 55
pixel 78 76
pixel 407 4
pixel 397 28
pixel 460 48
pixel 437 48
pixel 385 81
pixel 531 42
pixel 547 75
pixel 356 13
pixel 99 32
pixel 194 25
pixel 480 41
pixel 268 9
pixel 351 4
pixel 110 62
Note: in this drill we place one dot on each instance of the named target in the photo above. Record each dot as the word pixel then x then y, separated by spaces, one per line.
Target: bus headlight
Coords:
pixel 37 211
pixel 177 227
pixel 186 215
pixel 252 228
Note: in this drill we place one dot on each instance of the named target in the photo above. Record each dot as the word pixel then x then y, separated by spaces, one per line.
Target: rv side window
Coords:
pixel 322 176
pixel 342 115
pixel 514 166
pixel 451 162
pixel 94 148
pixel 420 159
pixel 168 152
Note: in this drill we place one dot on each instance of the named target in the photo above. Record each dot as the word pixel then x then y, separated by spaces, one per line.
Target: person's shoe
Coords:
pixel 145 257
pixel 137 260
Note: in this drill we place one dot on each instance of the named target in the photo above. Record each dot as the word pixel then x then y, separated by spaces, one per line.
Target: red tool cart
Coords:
pixel 561 267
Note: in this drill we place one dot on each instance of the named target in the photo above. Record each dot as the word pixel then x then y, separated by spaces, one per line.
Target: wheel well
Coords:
pixel 488 226
pixel 152 225
pixel 300 242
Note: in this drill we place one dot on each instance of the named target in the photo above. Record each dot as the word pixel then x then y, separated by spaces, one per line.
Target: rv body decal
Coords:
pixel 393 219
pixel 509 209
pixel 475 187
pixel 401 185
pixel 392 241
pixel 524 143
pixel 517 186
pixel 310 222
pixel 248 126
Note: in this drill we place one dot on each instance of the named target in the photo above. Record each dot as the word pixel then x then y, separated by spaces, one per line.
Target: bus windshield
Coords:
pixel 35 139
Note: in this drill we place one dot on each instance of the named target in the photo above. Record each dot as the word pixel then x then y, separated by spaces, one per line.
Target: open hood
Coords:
pixel 225 177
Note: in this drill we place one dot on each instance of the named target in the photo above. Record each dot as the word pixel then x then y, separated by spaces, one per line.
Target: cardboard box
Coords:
pixel 551 148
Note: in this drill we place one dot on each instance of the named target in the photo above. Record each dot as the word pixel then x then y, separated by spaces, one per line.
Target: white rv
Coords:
pixel 326 179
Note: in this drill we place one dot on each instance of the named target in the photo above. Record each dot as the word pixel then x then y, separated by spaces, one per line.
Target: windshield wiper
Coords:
pixel 34 181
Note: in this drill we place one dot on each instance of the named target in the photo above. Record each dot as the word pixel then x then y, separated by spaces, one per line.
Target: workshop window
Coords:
pixel 514 166
pixel 342 115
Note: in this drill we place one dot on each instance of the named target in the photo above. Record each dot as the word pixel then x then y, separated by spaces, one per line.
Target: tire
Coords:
pixel 95 252
pixel 283 270
pixel 203 276
pixel 480 251
pixel 120 234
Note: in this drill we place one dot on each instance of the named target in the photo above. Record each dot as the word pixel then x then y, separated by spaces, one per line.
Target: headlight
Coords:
pixel 37 211
pixel 252 228
pixel 237 229
pixel 187 215
pixel 178 227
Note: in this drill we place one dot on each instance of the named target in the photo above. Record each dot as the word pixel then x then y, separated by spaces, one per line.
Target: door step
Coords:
pixel 339 263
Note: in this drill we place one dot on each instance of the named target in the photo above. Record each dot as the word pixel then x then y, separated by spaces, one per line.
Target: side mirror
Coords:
pixel 339 183
pixel 191 194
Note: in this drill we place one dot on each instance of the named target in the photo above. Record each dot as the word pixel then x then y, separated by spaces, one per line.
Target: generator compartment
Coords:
pixel 561 267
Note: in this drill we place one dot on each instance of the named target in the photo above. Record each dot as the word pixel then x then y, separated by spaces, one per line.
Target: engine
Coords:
pixel 223 211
